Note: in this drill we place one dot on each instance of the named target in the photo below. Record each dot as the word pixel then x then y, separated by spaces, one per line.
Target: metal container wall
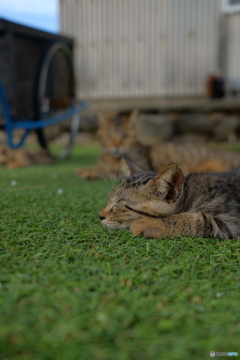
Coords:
pixel 142 48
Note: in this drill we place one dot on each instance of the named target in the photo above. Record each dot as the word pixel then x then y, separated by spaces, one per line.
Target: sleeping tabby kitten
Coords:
pixel 167 203
pixel 118 137
pixel 13 158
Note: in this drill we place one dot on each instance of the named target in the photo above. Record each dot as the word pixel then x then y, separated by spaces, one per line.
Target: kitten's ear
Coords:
pixel 133 116
pixel 169 182
pixel 128 168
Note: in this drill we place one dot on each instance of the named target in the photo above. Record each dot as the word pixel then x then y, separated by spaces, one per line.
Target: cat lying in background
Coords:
pixel 167 203
pixel 118 137
pixel 13 158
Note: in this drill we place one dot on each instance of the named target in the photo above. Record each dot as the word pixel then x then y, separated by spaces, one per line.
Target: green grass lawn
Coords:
pixel 71 289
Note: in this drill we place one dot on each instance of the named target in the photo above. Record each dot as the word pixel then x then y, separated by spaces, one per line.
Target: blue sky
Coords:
pixel 40 14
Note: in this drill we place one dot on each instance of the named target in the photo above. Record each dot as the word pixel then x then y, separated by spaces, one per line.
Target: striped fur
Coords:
pixel 118 137
pixel 167 204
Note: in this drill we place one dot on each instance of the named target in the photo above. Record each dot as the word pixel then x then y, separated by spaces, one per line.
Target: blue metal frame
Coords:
pixel 32 124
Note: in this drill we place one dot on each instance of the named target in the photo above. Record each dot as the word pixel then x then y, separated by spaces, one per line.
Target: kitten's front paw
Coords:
pixel 88 173
pixel 148 227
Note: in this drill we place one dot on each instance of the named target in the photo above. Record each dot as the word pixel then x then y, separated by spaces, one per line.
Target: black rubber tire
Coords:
pixel 41 80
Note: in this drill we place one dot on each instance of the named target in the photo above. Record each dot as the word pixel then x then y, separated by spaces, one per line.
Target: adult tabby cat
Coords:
pixel 167 203
pixel 118 137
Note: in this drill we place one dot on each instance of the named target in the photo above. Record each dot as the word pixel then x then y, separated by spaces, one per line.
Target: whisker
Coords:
pixel 106 183
pixel 109 187
pixel 115 179
pixel 111 178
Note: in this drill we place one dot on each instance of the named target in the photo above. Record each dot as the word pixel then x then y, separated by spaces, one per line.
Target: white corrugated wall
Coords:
pixel 142 48
pixel 233 49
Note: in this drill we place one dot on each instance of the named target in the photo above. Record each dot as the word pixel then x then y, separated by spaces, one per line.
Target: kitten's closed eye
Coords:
pixel 120 200
pixel 140 212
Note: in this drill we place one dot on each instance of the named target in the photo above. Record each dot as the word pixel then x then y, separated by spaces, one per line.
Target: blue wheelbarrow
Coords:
pixel 36 68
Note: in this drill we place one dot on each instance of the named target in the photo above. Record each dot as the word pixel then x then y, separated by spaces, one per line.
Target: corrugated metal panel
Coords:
pixel 141 48
pixel 233 48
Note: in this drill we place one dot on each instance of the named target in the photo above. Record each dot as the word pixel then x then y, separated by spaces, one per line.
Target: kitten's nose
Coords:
pixel 102 217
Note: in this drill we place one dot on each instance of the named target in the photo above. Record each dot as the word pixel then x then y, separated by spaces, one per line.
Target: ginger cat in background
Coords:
pixel 13 158
pixel 118 137
pixel 167 203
